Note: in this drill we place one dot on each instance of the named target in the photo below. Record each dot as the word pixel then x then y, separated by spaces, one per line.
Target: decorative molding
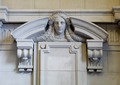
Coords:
pixel 5 35
pixel 31 30
pixel 83 27
pixel 114 36
pixel 89 29
pixel 25 54
pixel 69 59
pixel 9 15
pixel 73 48
pixel 30 15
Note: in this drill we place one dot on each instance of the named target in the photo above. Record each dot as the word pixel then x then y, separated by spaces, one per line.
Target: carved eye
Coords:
pixel 62 22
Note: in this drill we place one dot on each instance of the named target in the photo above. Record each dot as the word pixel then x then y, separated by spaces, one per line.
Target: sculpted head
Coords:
pixel 59 23
pixel 60 29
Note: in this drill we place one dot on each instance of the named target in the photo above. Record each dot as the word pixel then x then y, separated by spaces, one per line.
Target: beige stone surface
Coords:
pixel 72 4
pixel 104 79
pixel 18 4
pixel 101 4
pixel 7 3
pixel 0 2
pixel 60 4
pixel 46 4
pixel 114 61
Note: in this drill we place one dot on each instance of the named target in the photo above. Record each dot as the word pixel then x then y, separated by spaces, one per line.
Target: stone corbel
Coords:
pixel 25 54
pixel 94 48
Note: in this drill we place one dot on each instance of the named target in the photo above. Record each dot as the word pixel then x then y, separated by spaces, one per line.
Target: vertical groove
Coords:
pixel 34 75
pixel 118 37
pixel 111 36
pixel 7 33
pixel 3 36
pixel 114 33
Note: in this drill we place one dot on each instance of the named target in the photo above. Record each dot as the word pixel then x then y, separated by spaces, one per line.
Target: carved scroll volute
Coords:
pixel 95 53
pixel 25 54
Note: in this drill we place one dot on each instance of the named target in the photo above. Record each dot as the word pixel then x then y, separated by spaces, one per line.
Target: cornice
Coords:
pixel 24 15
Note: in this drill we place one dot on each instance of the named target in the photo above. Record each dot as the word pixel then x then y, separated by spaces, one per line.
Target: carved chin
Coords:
pixel 59 32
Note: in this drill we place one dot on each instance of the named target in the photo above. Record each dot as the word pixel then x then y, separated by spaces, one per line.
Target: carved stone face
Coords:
pixel 59 25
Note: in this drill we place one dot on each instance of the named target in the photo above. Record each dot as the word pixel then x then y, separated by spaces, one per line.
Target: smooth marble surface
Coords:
pixel 8 61
pixel 104 79
pixel 13 78
pixel 113 61
pixel 9 74
pixel 63 77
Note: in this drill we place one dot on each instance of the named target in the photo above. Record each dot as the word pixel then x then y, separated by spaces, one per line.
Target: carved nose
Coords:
pixel 59 24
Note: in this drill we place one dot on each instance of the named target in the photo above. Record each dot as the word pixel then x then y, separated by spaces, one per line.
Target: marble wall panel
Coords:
pixel 13 78
pixel 8 61
pixel 63 77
